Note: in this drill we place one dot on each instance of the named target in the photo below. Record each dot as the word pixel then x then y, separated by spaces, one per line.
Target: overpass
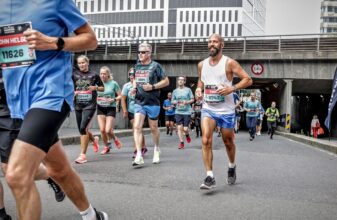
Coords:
pixel 294 70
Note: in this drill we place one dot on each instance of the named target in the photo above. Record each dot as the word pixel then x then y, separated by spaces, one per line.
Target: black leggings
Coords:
pixel 83 118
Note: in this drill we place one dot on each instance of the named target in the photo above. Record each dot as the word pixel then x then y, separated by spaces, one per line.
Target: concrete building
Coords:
pixel 162 19
pixel 328 16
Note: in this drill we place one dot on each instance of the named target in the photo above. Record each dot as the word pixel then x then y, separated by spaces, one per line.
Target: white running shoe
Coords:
pixel 258 133
pixel 138 162
pixel 156 158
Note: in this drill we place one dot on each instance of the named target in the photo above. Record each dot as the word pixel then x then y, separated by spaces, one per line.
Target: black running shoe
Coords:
pixel 6 217
pixel 208 183
pixel 231 176
pixel 101 215
pixel 59 194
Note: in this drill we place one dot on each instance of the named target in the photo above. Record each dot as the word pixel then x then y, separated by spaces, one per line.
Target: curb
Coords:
pixel 321 144
pixel 75 139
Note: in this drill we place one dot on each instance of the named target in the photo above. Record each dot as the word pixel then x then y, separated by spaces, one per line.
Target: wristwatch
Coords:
pixel 153 87
pixel 60 43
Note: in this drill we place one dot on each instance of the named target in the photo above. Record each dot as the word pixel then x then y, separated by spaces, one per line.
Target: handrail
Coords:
pixel 271 43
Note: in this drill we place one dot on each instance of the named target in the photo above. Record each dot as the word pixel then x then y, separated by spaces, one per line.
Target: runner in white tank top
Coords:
pixel 215 79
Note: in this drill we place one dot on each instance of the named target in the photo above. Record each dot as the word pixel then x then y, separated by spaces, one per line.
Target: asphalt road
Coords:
pixel 276 179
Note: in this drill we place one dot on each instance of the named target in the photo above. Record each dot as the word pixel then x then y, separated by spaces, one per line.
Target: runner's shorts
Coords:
pixel 131 116
pixel 169 118
pixel 222 120
pixel 107 111
pixel 152 111
pixel 9 130
pixel 40 126
pixel 183 120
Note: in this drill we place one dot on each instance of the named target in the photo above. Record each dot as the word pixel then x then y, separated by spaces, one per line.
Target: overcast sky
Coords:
pixel 292 16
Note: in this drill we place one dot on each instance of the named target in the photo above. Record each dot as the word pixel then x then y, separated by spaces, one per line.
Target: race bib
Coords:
pixel 103 101
pixel 181 106
pixel 14 51
pixel 83 96
pixel 211 96
pixel 142 77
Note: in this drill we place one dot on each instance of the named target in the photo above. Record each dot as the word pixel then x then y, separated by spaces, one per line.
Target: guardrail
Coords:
pixel 270 43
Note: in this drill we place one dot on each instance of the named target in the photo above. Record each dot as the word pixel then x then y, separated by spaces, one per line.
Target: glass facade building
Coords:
pixel 162 19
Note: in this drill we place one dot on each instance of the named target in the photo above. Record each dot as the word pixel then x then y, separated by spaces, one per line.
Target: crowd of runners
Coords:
pixel 41 94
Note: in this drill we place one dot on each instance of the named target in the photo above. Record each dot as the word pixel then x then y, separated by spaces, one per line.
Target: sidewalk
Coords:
pixel 72 136
pixel 322 143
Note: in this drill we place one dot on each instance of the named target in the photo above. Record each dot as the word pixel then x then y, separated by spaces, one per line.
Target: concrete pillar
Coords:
pixel 286 100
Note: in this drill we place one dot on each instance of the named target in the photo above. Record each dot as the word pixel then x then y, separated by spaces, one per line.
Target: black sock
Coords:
pixel 3 212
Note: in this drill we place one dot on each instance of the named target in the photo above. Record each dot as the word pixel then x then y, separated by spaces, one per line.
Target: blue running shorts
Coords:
pixel 222 120
pixel 152 111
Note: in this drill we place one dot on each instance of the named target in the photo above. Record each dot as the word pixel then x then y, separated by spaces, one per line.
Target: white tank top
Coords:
pixel 212 77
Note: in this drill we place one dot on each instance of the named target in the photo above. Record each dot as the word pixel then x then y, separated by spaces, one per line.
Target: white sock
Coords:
pixel 89 214
pixel 156 148
pixel 210 173
pixel 139 153
pixel 231 165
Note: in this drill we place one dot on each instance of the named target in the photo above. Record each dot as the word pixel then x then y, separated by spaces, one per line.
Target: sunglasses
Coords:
pixel 143 52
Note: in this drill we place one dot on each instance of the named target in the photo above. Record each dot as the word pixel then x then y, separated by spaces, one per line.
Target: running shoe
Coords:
pixel 105 150
pixel 167 131
pixel 6 217
pixel 231 176
pixel 59 194
pixel 134 154
pixel 188 138
pixel 208 183
pixel 181 145
pixel 156 157
pixel 138 162
pixel 171 133
pixel 144 150
pixel 95 144
pixel 258 133
pixel 101 215
pixel 109 145
pixel 81 159
pixel 118 143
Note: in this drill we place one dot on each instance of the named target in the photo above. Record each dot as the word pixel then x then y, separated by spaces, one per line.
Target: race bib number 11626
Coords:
pixel 14 51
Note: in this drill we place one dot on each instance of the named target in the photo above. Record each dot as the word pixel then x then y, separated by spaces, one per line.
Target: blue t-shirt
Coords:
pixel 167 103
pixel 46 83
pixel 254 107
pixel 180 95
pixel 126 91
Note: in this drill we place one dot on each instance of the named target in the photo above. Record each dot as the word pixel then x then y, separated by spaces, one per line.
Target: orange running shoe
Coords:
pixel 118 143
pixel 95 144
pixel 81 159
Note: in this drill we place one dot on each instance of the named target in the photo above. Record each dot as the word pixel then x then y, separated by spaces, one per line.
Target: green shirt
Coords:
pixel 273 114
pixel 110 92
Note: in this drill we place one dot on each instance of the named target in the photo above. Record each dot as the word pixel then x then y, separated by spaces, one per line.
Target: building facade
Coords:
pixel 163 19
pixel 328 16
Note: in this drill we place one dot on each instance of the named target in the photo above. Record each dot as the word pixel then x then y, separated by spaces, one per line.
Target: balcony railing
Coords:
pixel 271 43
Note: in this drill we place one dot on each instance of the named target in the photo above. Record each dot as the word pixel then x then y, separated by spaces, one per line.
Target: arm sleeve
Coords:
pixel 124 91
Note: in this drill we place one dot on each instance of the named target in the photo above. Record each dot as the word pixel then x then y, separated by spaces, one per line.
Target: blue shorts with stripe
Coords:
pixel 222 120
pixel 151 111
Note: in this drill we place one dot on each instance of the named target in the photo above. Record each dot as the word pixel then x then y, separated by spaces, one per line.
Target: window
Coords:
pixel 99 5
pixel 201 30
pixel 156 31
pixel 193 16
pixel 161 3
pixel 106 5
pixel 121 3
pixel 145 4
pixel 129 4
pixel 211 16
pixel 232 34
pixel 181 16
pixel 214 28
pixel 207 30
pixel 236 15
pixel 230 16
pixel 137 4
pixel 195 30
pixel 187 16
pixel 223 16
pixel 85 7
pixel 184 30
pixel 113 5
pixel 145 31
pixel 226 30
pixel 154 4
pixel 217 16
pixel 140 31
pixel 205 16
pixel 199 16
pixel 189 30
pixel 92 6
pixel 150 31
pixel 162 31
pixel 220 29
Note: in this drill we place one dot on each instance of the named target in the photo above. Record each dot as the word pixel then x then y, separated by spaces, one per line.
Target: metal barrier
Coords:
pixel 273 43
